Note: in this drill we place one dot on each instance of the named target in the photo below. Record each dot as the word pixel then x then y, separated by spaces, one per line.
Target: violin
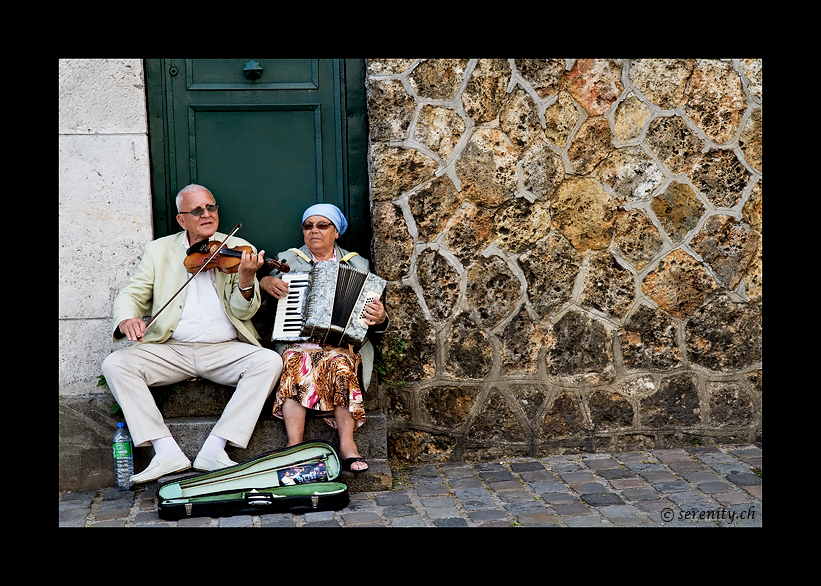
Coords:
pixel 201 257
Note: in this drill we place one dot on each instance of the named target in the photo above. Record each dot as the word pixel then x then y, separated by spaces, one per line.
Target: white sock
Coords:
pixel 213 447
pixel 165 448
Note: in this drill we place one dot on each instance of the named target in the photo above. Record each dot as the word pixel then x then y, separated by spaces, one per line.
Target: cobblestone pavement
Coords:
pixel 715 486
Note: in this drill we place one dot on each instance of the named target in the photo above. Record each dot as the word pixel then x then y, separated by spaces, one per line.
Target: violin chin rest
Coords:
pixel 202 246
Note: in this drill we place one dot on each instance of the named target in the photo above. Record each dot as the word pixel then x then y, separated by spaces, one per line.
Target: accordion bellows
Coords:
pixel 334 304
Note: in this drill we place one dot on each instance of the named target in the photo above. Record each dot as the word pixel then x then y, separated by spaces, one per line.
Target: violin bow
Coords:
pixel 210 258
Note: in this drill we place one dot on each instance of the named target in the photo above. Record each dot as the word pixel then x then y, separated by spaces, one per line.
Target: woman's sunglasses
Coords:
pixel 308 226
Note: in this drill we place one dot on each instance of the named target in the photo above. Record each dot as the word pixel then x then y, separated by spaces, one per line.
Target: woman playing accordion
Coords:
pixel 320 376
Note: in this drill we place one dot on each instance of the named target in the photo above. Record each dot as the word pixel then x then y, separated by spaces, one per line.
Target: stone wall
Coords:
pixel 104 200
pixel 573 250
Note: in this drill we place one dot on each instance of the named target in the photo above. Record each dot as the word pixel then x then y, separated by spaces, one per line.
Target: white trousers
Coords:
pixel 254 371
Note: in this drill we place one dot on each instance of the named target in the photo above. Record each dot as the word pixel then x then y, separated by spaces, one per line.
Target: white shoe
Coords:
pixel 156 469
pixel 210 464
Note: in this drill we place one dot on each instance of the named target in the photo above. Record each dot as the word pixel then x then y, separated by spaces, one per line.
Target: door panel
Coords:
pixel 267 148
pixel 228 74
pixel 267 174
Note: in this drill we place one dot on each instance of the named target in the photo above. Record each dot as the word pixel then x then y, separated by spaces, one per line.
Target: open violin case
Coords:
pixel 297 479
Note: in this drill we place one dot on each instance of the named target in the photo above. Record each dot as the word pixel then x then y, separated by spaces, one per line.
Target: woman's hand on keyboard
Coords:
pixel 274 287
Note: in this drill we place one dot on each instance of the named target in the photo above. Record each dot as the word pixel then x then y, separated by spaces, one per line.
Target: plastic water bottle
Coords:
pixel 123 457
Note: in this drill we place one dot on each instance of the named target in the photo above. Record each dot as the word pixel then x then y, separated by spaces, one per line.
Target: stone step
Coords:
pixel 269 434
pixel 203 398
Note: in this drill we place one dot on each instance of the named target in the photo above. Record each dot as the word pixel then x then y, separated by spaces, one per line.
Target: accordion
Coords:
pixel 326 305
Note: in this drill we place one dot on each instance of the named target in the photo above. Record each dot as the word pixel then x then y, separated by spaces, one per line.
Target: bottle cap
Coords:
pixel 120 424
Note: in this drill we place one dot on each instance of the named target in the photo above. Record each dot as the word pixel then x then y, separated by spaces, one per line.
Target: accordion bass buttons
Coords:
pixel 370 297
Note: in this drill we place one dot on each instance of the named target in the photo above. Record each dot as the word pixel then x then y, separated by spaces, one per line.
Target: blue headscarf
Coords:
pixel 329 211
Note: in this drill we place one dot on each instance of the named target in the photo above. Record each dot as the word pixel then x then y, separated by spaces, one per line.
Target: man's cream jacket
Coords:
pixel 161 273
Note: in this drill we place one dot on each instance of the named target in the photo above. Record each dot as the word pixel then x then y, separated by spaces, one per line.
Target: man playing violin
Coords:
pixel 206 331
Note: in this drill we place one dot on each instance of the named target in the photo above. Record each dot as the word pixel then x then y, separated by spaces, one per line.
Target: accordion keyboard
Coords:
pixel 289 315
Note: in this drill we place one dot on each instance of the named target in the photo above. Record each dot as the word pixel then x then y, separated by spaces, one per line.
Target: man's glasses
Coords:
pixel 198 211
pixel 308 226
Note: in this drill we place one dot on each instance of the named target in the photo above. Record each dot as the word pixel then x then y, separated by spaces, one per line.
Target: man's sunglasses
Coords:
pixel 198 211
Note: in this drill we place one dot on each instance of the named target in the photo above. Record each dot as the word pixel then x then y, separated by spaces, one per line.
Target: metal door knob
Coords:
pixel 252 70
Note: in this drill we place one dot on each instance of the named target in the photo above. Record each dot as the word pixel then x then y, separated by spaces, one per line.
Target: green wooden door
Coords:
pixel 268 137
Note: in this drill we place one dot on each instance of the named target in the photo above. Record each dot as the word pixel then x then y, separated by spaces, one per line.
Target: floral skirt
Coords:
pixel 320 378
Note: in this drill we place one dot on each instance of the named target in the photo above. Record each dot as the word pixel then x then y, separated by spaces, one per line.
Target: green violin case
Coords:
pixel 297 479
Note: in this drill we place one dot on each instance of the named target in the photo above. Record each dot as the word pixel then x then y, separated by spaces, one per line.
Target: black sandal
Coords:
pixel 346 465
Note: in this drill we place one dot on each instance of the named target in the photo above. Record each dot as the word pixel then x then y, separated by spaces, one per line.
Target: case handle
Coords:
pixel 259 499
